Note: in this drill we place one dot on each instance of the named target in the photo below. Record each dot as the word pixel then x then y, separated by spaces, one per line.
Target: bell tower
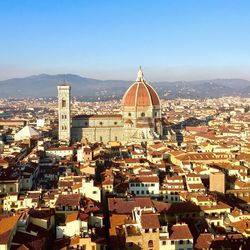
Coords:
pixel 64 97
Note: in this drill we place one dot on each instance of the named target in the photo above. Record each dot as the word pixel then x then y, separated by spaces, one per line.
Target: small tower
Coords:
pixel 64 112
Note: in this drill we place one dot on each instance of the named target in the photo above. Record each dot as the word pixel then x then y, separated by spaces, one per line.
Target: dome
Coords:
pixel 140 93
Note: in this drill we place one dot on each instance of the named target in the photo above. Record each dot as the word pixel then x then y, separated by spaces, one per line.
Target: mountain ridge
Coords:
pixel 44 85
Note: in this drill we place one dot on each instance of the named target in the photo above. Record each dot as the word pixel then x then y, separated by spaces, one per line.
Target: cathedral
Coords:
pixel 140 118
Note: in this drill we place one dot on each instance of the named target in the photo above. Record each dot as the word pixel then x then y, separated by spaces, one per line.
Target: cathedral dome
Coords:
pixel 140 93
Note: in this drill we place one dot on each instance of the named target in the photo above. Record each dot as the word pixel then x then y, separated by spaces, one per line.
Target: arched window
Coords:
pixel 150 243
pixel 129 114
pixel 142 114
pixel 63 103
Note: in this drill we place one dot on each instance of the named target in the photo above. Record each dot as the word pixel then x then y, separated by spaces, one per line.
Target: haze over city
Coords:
pixel 172 40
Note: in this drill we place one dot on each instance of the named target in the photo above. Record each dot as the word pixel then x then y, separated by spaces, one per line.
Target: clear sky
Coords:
pixel 172 40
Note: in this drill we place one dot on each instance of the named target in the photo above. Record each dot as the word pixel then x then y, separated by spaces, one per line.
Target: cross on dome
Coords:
pixel 140 75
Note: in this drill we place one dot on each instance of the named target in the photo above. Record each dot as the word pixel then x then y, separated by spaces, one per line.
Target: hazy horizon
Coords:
pixel 132 78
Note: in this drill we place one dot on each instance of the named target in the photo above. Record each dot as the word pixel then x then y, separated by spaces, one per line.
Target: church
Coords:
pixel 140 118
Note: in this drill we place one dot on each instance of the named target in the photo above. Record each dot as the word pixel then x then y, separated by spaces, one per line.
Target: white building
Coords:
pixel 60 152
pixel 144 185
pixel 73 226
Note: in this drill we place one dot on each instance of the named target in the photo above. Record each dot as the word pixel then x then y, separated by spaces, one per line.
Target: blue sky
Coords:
pixel 172 40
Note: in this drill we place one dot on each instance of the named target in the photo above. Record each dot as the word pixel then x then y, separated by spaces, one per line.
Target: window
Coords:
pixel 142 192
pixel 137 184
pixel 164 243
pixel 86 124
pixel 94 192
pixel 100 138
pixel 129 114
pixel 150 243
pixel 187 241
pixel 152 184
pixel 63 103
pixel 137 192
pixel 115 138
pixel 147 192
pixel 100 123
pixel 181 242
pixel 142 114
pixel 172 242
pixel 132 184
pixel 115 123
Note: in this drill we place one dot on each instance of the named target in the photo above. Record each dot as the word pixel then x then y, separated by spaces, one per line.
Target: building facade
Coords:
pixel 140 118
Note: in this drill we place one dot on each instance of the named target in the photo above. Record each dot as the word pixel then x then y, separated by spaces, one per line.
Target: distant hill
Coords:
pixel 44 85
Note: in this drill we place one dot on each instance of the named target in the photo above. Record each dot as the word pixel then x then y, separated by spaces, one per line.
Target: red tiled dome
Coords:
pixel 140 94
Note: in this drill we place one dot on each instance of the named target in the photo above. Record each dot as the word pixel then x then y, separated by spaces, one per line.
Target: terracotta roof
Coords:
pixel 179 232
pixel 68 200
pixel 60 148
pixel 242 226
pixel 204 241
pixel 29 240
pixel 196 186
pixel 43 213
pixel 145 179
pixel 126 205
pixel 7 224
pixel 176 208
pixel 140 94
pixel 71 217
pixel 150 221
pixel 107 181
